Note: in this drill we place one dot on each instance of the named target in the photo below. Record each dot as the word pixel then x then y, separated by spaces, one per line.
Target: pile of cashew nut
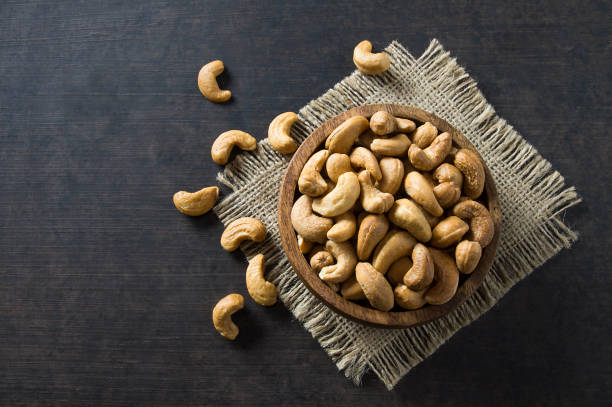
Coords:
pixel 389 212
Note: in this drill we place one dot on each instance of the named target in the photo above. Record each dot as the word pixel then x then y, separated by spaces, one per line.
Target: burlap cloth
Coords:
pixel 532 196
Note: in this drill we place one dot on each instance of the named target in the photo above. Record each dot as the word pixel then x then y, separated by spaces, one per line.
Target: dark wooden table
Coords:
pixel 106 290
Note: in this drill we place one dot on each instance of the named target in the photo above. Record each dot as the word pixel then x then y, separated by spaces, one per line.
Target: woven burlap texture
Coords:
pixel 532 197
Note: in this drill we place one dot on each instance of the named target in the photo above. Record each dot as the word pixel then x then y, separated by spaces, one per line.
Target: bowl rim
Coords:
pixel 352 310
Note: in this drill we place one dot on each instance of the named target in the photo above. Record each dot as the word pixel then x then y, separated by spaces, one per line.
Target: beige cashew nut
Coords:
pixel 340 199
pixel 419 189
pixel 447 194
pixel 470 165
pixel 367 62
pixel 263 292
pixel 398 270
pixel 346 259
pixel 375 286
pixel 409 216
pixel 361 157
pixel 396 244
pixel 421 273
pixel 467 256
pixel 395 146
pixel 207 82
pixel 409 299
pixel 448 173
pixel 222 315
pixel 481 223
pixel 196 203
pixel 240 230
pixel 310 226
pixel 336 165
pixel 321 259
pixel 446 278
pixel 383 123
pixel 429 158
pixel 392 170
pixel 222 147
pixel 351 290
pixel 304 245
pixel 448 232
pixel 372 229
pixel 344 227
pixel 373 200
pixel 311 182
pixel 343 137
pixel 279 133
pixel 424 135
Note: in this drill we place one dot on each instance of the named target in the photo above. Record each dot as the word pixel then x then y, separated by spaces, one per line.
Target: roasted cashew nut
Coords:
pixel 367 62
pixel 343 137
pixel 222 147
pixel 482 227
pixel 448 173
pixel 392 170
pixel 424 135
pixel 263 292
pixel 383 123
pixel 409 299
pixel 429 158
pixel 419 189
pixel 240 230
pixel 311 182
pixel 366 138
pixel 361 157
pixel 279 133
pixel 372 200
pixel 467 256
pixel 447 194
pixel 336 165
pixel 395 146
pixel 321 259
pixel 446 279
pixel 304 245
pixel 396 244
pixel 344 227
pixel 398 270
pixel 346 259
pixel 207 82
pixel 375 286
pixel 196 203
pixel 421 273
pixel 372 229
pixel 448 232
pixel 351 290
pixel 310 226
pixel 340 199
pixel 470 165
pixel 222 315
pixel 409 216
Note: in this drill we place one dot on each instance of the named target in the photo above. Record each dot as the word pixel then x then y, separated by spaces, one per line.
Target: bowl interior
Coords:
pixel 395 318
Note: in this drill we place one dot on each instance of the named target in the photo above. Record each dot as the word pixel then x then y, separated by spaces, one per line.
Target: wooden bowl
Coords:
pixel 352 310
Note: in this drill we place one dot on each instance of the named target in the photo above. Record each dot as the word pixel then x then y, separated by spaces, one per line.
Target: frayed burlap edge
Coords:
pixel 532 196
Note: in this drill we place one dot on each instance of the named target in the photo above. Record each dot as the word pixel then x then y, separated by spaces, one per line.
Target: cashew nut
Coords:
pixel 383 123
pixel 407 215
pixel 447 194
pixel 375 286
pixel 424 135
pixel 409 299
pixel 346 259
pixel 421 273
pixel 337 164
pixel 351 290
pixel 240 230
pixel 344 227
pixel 427 159
pixel 311 182
pixel 392 171
pixel 196 203
pixel 395 146
pixel 366 138
pixel 263 292
pixel 446 278
pixel 372 229
pixel 398 270
pixel 420 190
pixel 448 173
pixel 448 232
pixel 467 256
pixel 482 227
pixel 321 259
pixel 367 62
pixel 279 133
pixel 222 147
pixel 470 165
pixel 222 315
pixel 396 244
pixel 340 199
pixel 310 226
pixel 361 157
pixel 207 82
pixel 343 137
pixel 304 245
pixel 372 199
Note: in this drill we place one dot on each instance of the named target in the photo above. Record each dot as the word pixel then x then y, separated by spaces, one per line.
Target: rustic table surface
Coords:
pixel 106 290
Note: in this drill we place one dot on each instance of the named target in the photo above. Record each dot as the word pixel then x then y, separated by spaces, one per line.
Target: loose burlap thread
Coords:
pixel 532 196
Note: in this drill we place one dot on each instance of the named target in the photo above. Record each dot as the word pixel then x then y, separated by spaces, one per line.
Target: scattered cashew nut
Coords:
pixel 263 292
pixel 343 137
pixel 346 259
pixel 448 232
pixel 222 147
pixel 420 190
pixel 470 165
pixel 361 157
pixel 207 82
pixel 429 158
pixel 446 278
pixel 310 226
pixel 467 256
pixel 196 203
pixel 421 273
pixel 367 62
pixel 344 227
pixel 395 146
pixel 372 199
pixel 396 244
pixel 222 315
pixel 311 182
pixel 340 199
pixel 279 133
pixel 240 230
pixel 482 227
pixel 375 286
pixel 408 215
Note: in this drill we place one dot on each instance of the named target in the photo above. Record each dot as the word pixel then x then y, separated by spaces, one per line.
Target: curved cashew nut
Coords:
pixel 482 227
pixel 351 290
pixel 395 146
pixel 343 137
pixel 447 194
pixel 312 227
pixel 207 82
pixel 196 203
pixel 346 259
pixel 304 245
pixel 424 135
pixel 344 227
pixel 240 230
pixel 448 232
pixel 375 286
pixel 340 199
pixel 222 315
pixel 372 229
pixel 372 199
pixel 279 130
pixel 383 123
pixel 392 170
pixel 420 190
pixel 336 165
pixel 398 270
pixel 222 147
pixel 311 182
pixel 427 159
pixel 470 165
pixel 407 215
pixel 367 62
pixel 366 138
pixel 448 173
pixel 361 157
pixel 263 292
pixel 467 256
pixel 321 259
pixel 409 299
pixel 421 273
pixel 446 279
pixel 396 244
